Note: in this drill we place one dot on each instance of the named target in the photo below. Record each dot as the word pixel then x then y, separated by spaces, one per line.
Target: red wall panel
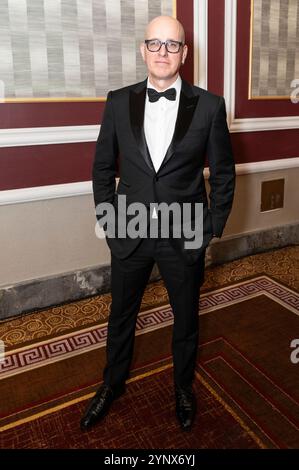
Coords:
pixel 14 115
pixel 246 108
pixel 215 46
pixel 48 114
pixel 261 146
pixel 42 165
pixel 247 146
pixel 31 166
pixel 185 16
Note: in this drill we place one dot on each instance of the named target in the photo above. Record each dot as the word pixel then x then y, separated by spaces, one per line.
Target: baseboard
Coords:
pixel 260 241
pixel 38 294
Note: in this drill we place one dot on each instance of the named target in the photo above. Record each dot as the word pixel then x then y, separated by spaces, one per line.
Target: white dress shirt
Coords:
pixel 159 123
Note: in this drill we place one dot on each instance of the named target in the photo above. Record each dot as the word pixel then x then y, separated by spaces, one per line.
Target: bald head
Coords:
pixel 163 66
pixel 165 23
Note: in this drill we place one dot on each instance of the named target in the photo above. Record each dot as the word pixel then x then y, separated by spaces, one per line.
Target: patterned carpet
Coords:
pixel 246 385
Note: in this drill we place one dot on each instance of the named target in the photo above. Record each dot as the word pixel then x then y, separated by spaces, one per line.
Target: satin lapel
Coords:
pixel 187 106
pixel 137 105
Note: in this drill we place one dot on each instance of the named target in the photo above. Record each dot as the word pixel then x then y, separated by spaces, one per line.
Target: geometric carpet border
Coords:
pixel 59 348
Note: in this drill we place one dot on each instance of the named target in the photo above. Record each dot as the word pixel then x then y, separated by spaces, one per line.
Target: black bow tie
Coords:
pixel 154 95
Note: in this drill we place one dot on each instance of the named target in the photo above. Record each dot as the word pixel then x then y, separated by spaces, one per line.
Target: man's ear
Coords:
pixel 142 51
pixel 185 52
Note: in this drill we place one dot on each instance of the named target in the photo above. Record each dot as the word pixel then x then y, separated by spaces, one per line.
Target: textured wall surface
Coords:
pixel 275 47
pixel 73 48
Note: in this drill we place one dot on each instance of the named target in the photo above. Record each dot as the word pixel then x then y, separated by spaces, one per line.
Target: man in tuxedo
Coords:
pixel 160 131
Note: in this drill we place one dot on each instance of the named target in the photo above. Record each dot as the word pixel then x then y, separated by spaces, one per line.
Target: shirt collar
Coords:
pixel 177 85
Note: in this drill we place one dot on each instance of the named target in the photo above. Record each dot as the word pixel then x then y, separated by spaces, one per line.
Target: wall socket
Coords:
pixel 272 195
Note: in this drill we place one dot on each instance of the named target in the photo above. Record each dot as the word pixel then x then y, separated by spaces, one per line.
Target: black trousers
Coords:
pixel 129 278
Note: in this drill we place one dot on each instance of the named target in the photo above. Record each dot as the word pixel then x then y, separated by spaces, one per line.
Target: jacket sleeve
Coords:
pixel 106 153
pixel 222 169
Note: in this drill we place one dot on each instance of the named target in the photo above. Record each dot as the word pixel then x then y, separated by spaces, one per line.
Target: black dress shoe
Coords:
pixel 185 407
pixel 99 405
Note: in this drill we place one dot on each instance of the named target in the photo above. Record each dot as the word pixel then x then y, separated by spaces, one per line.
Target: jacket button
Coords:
pixel 157 178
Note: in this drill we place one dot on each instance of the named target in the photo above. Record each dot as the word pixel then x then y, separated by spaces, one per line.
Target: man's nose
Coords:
pixel 163 50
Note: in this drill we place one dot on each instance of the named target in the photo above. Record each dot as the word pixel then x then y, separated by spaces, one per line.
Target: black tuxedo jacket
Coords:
pixel 200 129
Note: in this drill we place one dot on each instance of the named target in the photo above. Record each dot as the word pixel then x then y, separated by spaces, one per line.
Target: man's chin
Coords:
pixel 163 76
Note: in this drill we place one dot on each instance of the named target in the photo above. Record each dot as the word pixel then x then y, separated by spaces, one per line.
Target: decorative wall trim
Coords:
pixel 267 165
pixel 248 124
pixel 68 287
pixel 264 124
pixel 200 36
pixel 41 193
pixel 20 137
pixel 230 29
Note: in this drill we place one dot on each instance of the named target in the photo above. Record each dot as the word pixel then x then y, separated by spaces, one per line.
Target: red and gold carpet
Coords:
pixel 246 384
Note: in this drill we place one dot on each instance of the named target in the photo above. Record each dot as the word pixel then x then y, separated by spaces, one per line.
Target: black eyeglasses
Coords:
pixel 154 45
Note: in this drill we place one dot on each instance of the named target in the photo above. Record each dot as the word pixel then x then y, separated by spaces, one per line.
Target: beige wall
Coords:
pixel 45 238
pixel 246 216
